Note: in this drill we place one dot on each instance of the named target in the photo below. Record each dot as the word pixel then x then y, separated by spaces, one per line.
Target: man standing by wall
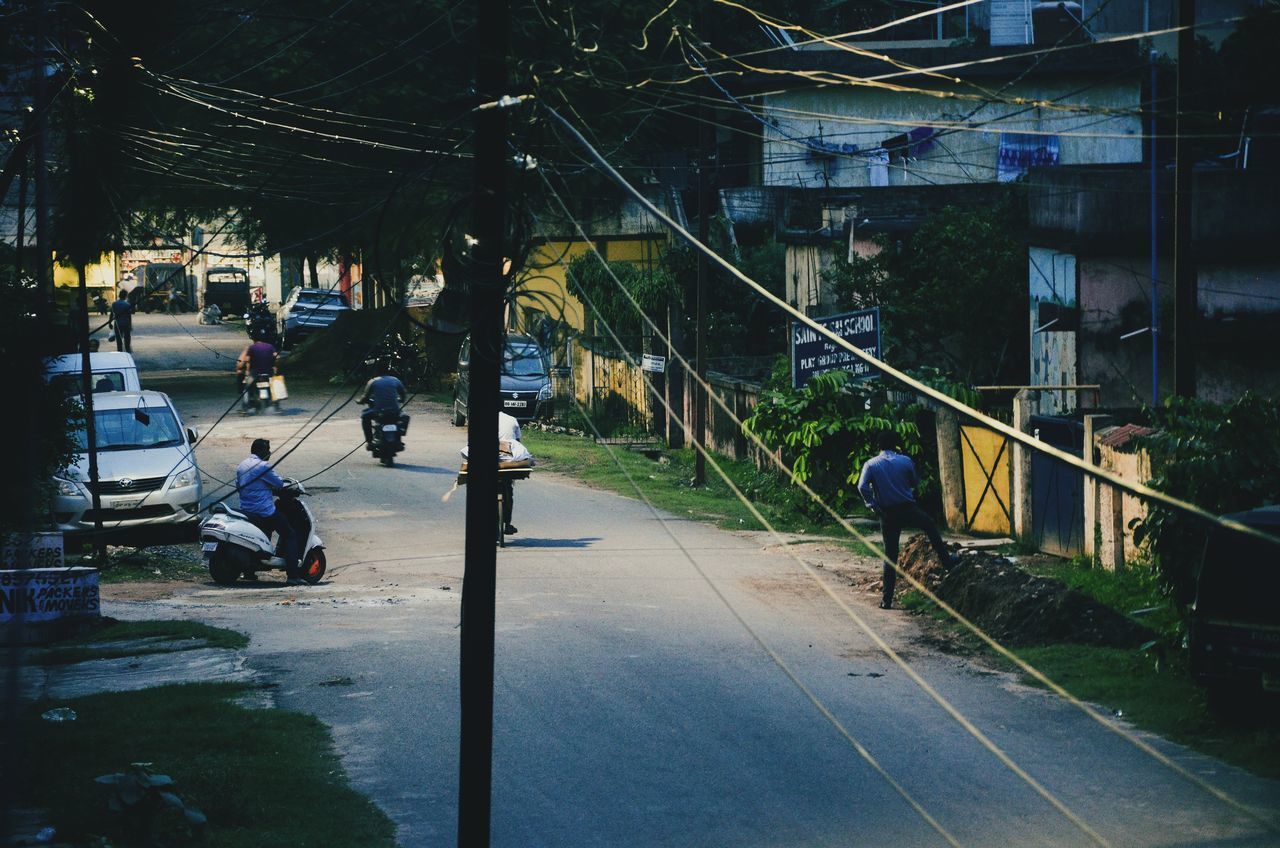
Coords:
pixel 122 321
pixel 887 485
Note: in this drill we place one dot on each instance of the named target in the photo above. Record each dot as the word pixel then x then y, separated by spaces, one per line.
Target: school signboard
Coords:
pixel 812 353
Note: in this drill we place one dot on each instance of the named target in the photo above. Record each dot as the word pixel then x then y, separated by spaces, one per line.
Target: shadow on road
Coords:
pixel 525 542
pixel 425 469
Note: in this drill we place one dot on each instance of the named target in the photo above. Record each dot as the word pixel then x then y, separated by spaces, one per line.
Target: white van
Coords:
pixel 147 473
pixel 113 371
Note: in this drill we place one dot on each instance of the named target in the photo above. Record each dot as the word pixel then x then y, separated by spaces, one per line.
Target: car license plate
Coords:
pixel 132 503
pixel 389 428
pixel 517 403
pixel 209 547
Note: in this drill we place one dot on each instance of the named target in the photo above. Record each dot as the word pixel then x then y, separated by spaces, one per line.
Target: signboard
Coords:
pixel 43 595
pixel 653 364
pixel 813 354
pixel 32 550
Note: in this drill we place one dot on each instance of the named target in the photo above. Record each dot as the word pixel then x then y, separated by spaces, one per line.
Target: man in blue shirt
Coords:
pixel 887 485
pixel 256 482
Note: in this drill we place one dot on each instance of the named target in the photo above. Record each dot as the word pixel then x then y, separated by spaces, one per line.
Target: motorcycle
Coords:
pixel 233 546
pixel 388 436
pixel 257 393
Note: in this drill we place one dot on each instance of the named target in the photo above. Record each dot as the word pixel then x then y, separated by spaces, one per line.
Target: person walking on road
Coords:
pixel 121 322
pixel 887 485
pixel 256 482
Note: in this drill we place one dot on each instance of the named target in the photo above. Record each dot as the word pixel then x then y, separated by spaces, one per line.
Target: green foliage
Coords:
pixel 955 294
pixel 827 429
pixel 1222 458
pixel 141 798
pixel 607 288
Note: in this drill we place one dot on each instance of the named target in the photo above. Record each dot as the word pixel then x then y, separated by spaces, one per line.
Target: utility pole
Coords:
pixel 90 425
pixel 1185 285
pixel 1155 223
pixel 706 155
pixel 489 206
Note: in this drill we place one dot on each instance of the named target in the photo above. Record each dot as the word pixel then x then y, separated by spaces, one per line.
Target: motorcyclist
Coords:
pixel 256 482
pixel 509 443
pixel 262 324
pixel 258 359
pixel 384 394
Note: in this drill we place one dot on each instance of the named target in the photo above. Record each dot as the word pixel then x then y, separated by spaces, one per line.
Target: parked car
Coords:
pixel 307 310
pixel 113 371
pixel 1233 632
pixel 524 384
pixel 147 473
pixel 228 287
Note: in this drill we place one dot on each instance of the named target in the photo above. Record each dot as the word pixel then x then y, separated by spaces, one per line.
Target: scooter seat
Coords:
pixel 222 509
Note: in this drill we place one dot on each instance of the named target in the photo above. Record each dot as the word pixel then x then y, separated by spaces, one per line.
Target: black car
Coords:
pixel 524 384
pixel 1233 634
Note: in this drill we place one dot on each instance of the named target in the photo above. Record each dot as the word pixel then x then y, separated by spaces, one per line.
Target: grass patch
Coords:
pixel 1161 697
pixel 167 564
pixel 264 778
pixel 1153 691
pixel 188 635
pixel 667 482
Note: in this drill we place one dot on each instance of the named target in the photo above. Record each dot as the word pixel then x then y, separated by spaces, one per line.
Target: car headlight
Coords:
pixel 185 478
pixel 544 393
pixel 66 488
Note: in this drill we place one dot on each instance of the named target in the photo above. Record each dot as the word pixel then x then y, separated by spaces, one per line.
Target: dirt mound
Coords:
pixel 1016 607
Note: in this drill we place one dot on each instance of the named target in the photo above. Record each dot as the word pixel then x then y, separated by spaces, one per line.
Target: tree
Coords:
pixel 954 297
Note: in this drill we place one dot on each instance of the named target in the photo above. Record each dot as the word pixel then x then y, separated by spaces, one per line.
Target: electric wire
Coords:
pixel 1035 673
pixel 965 723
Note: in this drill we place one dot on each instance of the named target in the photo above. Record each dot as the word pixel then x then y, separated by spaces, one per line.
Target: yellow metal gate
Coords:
pixel 987 482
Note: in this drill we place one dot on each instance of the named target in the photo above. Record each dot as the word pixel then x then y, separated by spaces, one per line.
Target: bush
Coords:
pixel 1222 458
pixel 827 430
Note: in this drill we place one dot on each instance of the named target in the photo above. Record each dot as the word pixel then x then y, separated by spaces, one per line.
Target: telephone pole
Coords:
pixel 485 279
pixel 1185 284
pixel 706 155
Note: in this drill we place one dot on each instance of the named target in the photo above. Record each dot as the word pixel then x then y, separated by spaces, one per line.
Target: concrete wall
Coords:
pixel 867 117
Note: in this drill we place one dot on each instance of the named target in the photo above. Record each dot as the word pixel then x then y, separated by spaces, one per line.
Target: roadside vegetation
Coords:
pixel 185 765
pixel 1149 687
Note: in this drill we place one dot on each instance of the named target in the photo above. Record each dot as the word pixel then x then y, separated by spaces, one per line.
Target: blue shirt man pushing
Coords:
pixel 256 481
pixel 887 485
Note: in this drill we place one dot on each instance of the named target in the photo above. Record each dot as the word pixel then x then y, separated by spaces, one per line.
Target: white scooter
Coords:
pixel 233 545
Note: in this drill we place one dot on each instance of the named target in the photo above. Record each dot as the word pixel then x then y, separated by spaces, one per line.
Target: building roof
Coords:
pixel 1119 437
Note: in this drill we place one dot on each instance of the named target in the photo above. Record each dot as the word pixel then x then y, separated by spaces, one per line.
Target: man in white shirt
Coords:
pixel 508 431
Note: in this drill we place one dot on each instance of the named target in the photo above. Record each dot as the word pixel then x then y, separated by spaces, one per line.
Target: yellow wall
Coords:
pixel 545 288
pixel 100 274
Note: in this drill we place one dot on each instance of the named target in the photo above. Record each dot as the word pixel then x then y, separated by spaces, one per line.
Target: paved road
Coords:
pixel 635 704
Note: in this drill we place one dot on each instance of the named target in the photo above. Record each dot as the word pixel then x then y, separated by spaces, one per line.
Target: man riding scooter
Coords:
pixel 384 394
pixel 256 481
pixel 258 362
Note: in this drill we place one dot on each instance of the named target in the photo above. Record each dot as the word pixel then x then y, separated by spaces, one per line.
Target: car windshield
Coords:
pixel 227 277
pixel 1233 560
pixel 523 362
pixel 320 297
pixel 103 381
pixel 120 429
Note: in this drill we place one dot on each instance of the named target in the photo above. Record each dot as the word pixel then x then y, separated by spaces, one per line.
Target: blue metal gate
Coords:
pixel 1057 491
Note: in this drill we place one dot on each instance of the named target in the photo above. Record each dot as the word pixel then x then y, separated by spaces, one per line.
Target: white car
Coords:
pixel 147 473
pixel 112 371
pixel 307 310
